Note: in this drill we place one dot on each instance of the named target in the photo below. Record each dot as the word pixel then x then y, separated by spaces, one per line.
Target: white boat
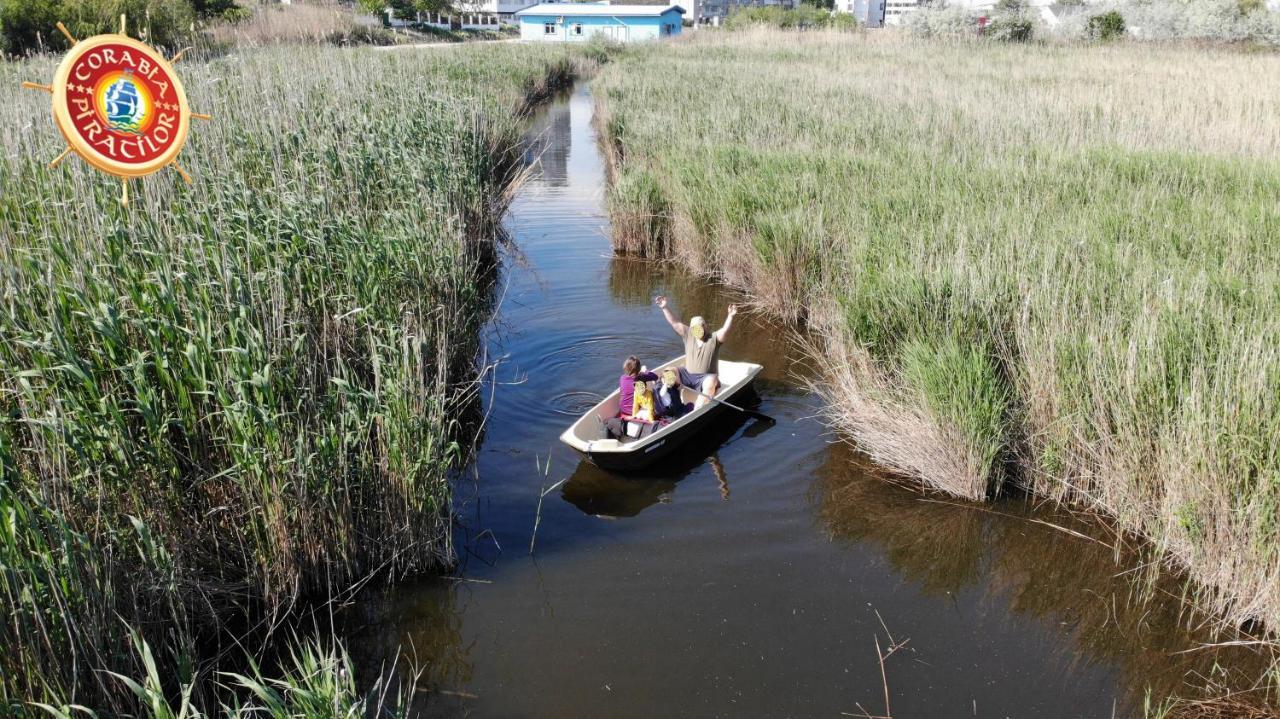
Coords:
pixel 587 435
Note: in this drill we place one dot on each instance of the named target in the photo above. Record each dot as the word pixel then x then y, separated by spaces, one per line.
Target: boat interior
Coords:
pixel 590 427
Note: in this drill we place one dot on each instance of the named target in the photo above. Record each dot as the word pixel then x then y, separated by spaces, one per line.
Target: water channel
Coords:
pixel 755 578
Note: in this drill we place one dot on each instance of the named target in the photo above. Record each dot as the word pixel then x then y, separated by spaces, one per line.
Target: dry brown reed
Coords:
pixel 271 23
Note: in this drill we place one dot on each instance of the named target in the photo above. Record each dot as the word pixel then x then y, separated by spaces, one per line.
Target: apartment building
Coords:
pixel 869 13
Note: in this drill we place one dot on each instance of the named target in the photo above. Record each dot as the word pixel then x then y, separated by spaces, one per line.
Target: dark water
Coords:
pixel 756 578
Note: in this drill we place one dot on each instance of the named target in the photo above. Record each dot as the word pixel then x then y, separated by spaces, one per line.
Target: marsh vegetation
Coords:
pixel 1043 268
pixel 234 397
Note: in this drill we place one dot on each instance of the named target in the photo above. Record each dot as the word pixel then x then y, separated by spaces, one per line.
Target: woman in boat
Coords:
pixel 701 370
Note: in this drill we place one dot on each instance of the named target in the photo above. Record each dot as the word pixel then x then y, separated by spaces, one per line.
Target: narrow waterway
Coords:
pixel 756 578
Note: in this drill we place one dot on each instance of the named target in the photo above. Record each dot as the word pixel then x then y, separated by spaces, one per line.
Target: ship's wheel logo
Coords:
pixel 120 106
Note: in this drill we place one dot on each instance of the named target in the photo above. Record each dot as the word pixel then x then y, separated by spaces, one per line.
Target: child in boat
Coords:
pixel 642 410
pixel 669 404
pixel 632 372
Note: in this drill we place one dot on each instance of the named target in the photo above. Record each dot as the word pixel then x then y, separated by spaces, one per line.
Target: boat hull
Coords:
pixel 665 446
pixel 587 435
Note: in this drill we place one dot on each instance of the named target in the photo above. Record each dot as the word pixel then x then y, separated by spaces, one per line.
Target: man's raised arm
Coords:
pixel 728 322
pixel 672 320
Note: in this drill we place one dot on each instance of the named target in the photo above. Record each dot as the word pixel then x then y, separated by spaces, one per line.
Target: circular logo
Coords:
pixel 120 106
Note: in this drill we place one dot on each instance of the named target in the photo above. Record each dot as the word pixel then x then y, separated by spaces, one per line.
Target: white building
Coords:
pixel 501 8
pixel 869 13
pixel 895 11
pixel 580 21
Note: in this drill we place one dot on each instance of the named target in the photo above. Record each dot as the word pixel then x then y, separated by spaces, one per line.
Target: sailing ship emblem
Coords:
pixel 120 106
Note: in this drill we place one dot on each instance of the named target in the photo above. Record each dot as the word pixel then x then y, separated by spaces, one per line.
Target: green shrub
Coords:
pixel 943 21
pixel 1010 28
pixel 843 21
pixel 1107 26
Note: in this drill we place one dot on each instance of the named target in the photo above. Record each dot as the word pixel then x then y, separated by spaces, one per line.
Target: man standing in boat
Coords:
pixel 701 368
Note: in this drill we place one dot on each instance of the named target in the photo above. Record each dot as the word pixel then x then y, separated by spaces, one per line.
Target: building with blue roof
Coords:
pixel 579 22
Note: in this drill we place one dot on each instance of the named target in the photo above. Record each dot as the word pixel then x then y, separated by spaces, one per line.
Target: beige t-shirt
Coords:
pixel 702 359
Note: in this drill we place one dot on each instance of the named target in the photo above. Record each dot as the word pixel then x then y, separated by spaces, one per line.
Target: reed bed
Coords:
pixel 1050 267
pixel 315 22
pixel 230 397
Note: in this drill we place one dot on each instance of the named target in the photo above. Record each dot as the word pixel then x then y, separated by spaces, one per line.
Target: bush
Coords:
pixel 1215 20
pixel 804 17
pixel 28 25
pixel 1229 21
pixel 944 22
pixel 1010 28
pixel 843 21
pixel 1263 26
pixel 225 9
pixel 1107 26
pixel 363 35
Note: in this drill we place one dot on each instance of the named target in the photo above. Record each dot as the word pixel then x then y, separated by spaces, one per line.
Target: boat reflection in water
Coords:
pixel 602 493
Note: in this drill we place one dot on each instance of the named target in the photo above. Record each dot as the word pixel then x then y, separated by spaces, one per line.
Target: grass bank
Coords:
pixel 1051 267
pixel 234 396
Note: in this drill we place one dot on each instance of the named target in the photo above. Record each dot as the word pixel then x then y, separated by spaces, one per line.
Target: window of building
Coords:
pixel 549 28
pixel 576 28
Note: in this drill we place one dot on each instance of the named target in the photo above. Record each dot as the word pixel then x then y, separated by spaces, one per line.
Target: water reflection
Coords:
pixel 418 643
pixel 548 145
pixel 722 478
pixel 632 281
pixel 604 494
pixel 1062 569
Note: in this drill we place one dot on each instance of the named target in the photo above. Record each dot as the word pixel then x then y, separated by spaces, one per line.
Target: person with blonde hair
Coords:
pixel 701 370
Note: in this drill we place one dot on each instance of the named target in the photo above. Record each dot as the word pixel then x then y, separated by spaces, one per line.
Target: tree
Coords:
pixel 28 25
pixel 405 8
pixel 215 8
pixel 1107 26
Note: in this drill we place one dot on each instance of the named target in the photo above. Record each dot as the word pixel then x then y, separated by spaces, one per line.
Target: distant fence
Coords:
pixel 444 21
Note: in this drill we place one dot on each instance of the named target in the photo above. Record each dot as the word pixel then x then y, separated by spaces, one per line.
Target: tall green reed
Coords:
pixel 252 390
